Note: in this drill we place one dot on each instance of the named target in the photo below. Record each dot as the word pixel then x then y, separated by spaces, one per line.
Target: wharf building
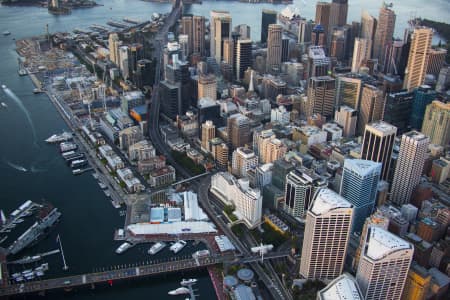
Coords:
pixel 343 287
pixel 384 265
pixel 327 232
pixel 378 142
pixel 246 200
pixel 359 186
pixel 409 166
pixel 301 185
pixel 142 150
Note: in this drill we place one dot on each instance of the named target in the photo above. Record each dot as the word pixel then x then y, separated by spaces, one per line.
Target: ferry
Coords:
pixel 5 33
pixel 178 246
pixel 23 72
pixel 77 172
pixel 4 105
pixel 63 137
pixel 156 248
pixel 3 86
pixel 186 282
pixel 179 291
pixel 124 247
pixel 78 163
pixel 66 146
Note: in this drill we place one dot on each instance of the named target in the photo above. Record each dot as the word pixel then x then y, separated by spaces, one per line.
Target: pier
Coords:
pixel 123 272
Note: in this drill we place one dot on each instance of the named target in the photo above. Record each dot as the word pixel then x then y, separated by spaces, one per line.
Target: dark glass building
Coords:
pixel 268 17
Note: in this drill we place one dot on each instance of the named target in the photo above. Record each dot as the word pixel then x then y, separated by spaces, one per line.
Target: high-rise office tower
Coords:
pixel 220 30
pixel 243 30
pixel 238 127
pixel 323 11
pixel 113 45
pixel 228 56
pixel 443 81
pixel 384 265
pixel 423 95
pixel 260 138
pixel 243 57
pixel 418 57
pixel 372 105
pixel 123 62
pixel 384 33
pixel 378 219
pixel 319 36
pixel 338 13
pixel 436 123
pixel 274 47
pixel 207 86
pixel 348 91
pixel 301 184
pixel 187 29
pixel 321 95
pixel 347 118
pixel 304 31
pixel 394 53
pixel 408 169
pixel 436 60
pixel 368 29
pixel 359 186
pixel 272 150
pixel 378 143
pixel 198 35
pixel 397 110
pixel 208 133
pixel 361 53
pixel 268 17
pixel 243 159
pixel 343 287
pixel 318 63
pixel 327 231
pixel 285 49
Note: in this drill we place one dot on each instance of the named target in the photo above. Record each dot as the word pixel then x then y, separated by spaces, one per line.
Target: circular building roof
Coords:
pixel 245 274
pixel 230 281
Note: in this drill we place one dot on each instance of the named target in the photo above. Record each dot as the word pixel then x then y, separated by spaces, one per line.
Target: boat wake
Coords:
pixel 33 169
pixel 16 166
pixel 16 99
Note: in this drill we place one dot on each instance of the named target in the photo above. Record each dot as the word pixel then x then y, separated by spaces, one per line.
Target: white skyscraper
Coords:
pixel 384 265
pixel 413 152
pixel 361 53
pixel 327 231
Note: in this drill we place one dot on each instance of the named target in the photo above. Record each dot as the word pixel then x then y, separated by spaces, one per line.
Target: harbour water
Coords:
pixel 32 169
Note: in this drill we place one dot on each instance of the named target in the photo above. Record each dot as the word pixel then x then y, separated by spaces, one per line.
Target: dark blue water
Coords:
pixel 31 169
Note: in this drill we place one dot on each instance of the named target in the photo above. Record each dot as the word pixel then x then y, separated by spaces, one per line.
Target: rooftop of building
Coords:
pixel 246 152
pixel 438 277
pixel 382 126
pixel 343 287
pixel 326 200
pixel 362 167
pixel 416 135
pixel 381 243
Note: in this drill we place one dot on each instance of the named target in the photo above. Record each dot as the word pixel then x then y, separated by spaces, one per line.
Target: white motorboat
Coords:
pixel 5 33
pixel 124 247
pixel 156 248
pixel 186 282
pixel 179 291
pixel 4 105
pixel 178 246
pixel 3 86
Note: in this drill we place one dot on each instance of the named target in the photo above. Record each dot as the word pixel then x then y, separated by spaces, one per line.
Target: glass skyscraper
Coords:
pixel 359 187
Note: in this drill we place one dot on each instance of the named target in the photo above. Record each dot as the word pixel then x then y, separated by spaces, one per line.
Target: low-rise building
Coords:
pixel 142 150
pixel 162 177
pixel 146 166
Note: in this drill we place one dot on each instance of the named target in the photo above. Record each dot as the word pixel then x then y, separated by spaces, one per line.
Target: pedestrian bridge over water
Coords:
pixel 74 281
